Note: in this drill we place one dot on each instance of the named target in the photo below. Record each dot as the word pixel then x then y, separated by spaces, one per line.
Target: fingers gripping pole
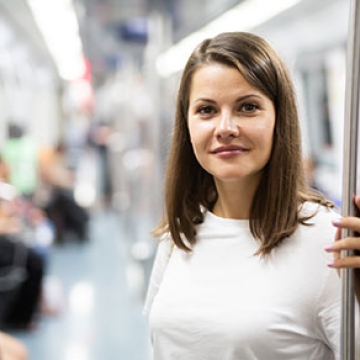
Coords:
pixel 352 97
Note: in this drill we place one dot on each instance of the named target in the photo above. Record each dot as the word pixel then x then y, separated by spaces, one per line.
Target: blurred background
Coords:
pixel 87 92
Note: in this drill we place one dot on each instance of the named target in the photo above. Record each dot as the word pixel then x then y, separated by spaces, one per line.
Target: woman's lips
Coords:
pixel 229 151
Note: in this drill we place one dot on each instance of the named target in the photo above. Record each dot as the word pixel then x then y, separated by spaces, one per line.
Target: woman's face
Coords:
pixel 231 124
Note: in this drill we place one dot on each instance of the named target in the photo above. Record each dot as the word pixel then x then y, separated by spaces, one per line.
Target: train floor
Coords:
pixel 100 300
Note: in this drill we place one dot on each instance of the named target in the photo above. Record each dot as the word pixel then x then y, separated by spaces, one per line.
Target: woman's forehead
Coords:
pixel 218 79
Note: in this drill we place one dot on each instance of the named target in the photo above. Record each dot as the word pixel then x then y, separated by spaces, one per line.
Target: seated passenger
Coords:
pixel 60 206
pixel 11 348
pixel 21 271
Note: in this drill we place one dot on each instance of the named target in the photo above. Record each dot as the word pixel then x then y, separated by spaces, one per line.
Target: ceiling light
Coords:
pixel 243 17
pixel 58 24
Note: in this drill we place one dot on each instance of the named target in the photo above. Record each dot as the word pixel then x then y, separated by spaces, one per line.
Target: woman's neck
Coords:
pixel 234 200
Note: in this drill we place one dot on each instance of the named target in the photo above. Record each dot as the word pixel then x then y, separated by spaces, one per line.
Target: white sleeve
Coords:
pixel 161 260
pixel 329 307
pixel 330 316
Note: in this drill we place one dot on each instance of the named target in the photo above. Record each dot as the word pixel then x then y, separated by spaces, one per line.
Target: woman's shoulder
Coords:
pixel 165 243
pixel 310 209
pixel 317 220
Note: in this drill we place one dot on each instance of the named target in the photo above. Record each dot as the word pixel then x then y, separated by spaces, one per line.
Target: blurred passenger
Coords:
pixel 309 168
pixel 76 132
pixel 241 271
pixel 4 170
pixel 11 348
pixel 99 137
pixel 21 271
pixel 60 205
pixel 20 154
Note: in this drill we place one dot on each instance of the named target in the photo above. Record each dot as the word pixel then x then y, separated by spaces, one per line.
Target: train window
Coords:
pixel 317 109
pixel 323 87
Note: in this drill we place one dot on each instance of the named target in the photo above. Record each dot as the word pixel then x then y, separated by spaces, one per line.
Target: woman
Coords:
pixel 241 272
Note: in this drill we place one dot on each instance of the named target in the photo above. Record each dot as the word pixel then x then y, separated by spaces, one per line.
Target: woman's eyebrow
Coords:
pixel 205 100
pixel 241 98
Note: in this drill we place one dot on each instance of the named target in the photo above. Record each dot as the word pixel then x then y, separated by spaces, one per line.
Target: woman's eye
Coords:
pixel 205 110
pixel 249 107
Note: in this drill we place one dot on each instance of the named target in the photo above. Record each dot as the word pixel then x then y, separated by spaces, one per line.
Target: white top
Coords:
pixel 221 302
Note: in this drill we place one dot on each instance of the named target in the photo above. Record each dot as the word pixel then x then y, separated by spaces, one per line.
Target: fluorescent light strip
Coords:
pixel 58 24
pixel 243 17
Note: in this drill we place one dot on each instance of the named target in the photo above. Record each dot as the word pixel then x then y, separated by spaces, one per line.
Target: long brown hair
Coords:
pixel 274 214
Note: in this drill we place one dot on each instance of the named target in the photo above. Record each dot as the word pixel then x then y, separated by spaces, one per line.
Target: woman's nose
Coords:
pixel 227 126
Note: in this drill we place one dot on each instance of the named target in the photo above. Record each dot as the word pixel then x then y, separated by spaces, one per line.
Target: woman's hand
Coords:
pixel 348 243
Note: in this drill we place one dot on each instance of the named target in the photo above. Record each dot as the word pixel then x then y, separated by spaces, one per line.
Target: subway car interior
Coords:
pixel 87 95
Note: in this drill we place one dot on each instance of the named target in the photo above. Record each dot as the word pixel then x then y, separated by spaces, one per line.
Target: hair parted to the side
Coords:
pixel 274 214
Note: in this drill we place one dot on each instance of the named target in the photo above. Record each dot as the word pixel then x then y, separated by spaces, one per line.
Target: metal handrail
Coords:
pixel 352 98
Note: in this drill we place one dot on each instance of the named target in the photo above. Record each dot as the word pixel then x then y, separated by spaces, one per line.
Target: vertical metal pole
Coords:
pixel 352 97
